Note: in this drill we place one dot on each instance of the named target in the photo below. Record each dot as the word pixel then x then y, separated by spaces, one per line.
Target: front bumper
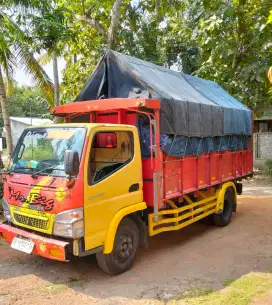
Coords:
pixel 46 247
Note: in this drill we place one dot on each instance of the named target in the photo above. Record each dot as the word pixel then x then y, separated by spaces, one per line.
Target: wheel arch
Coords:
pixel 221 196
pixel 131 212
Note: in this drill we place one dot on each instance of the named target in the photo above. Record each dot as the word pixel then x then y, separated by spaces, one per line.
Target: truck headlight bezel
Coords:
pixel 69 223
pixel 6 211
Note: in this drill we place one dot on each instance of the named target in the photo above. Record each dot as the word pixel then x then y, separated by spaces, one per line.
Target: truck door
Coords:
pixel 113 179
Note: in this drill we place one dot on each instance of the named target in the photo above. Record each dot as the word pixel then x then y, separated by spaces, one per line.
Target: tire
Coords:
pixel 224 218
pixel 124 250
pixel 208 221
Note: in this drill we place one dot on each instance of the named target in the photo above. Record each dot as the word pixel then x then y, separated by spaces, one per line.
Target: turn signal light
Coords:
pixel 3 236
pixel 58 253
pixel 70 183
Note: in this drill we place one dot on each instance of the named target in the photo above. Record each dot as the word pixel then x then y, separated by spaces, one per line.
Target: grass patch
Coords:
pixel 77 284
pixel 268 167
pixel 228 282
pixel 270 270
pixel 193 293
pixel 239 292
pixel 55 288
pixel 52 288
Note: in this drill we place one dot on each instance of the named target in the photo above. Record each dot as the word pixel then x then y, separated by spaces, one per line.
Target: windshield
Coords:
pixel 42 149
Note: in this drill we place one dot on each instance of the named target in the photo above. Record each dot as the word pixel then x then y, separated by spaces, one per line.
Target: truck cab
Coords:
pixel 66 183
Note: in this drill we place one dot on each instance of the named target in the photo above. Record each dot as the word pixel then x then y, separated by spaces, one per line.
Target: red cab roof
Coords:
pixel 104 105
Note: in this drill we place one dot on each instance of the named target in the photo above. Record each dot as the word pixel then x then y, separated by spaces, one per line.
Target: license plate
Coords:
pixel 22 244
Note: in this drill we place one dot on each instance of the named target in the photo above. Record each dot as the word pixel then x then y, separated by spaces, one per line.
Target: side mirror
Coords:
pixel 71 162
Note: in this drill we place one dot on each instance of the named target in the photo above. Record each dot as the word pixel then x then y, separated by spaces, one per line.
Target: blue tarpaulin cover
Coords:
pixel 237 117
pixel 196 115
pixel 181 146
pixel 190 106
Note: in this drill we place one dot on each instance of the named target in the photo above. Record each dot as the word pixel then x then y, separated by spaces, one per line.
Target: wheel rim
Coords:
pixel 124 248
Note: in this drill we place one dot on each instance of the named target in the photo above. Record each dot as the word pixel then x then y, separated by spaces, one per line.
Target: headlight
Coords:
pixel 6 210
pixel 69 223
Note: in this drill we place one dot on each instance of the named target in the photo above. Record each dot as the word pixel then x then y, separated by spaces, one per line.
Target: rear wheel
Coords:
pixel 124 250
pixel 223 219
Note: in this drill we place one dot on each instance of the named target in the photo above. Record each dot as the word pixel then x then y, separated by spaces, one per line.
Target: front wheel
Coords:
pixel 124 250
pixel 223 219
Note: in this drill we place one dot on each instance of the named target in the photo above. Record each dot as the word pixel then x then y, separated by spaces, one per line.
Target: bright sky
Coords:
pixel 24 79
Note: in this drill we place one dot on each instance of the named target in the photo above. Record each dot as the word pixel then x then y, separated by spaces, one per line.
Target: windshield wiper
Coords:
pixel 34 175
pixel 14 169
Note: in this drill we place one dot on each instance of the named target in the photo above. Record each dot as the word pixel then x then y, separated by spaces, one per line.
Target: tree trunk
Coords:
pixel 5 113
pixel 115 20
pixel 56 78
pixel 56 84
pixel 242 29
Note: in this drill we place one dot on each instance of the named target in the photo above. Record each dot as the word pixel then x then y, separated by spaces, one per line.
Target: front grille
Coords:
pixel 31 222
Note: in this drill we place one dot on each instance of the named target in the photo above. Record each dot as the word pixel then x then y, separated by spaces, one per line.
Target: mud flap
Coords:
pixel 239 189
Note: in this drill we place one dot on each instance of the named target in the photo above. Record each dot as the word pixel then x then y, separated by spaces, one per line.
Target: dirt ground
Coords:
pixel 199 256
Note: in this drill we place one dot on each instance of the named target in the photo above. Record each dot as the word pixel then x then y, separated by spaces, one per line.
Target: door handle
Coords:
pixel 134 187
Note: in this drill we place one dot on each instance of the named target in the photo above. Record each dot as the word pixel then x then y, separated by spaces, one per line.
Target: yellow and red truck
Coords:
pixel 111 176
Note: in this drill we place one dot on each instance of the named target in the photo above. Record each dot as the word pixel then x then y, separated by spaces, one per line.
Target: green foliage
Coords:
pixel 28 102
pixel 50 30
pixel 236 49
pixel 269 20
pixel 16 46
pixel 38 153
pixel 42 151
pixel 76 72
pixel 268 167
pixel 87 46
pixel 225 41
pixel 140 35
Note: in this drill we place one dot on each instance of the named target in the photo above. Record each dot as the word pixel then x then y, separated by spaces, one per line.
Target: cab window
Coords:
pixel 110 152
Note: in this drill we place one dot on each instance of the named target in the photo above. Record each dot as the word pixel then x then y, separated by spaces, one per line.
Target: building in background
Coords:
pixel 18 124
pixel 262 140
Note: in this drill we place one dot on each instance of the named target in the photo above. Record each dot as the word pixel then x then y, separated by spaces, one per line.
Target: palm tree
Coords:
pixel 52 34
pixel 56 79
pixel 47 57
pixel 44 59
pixel 14 52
